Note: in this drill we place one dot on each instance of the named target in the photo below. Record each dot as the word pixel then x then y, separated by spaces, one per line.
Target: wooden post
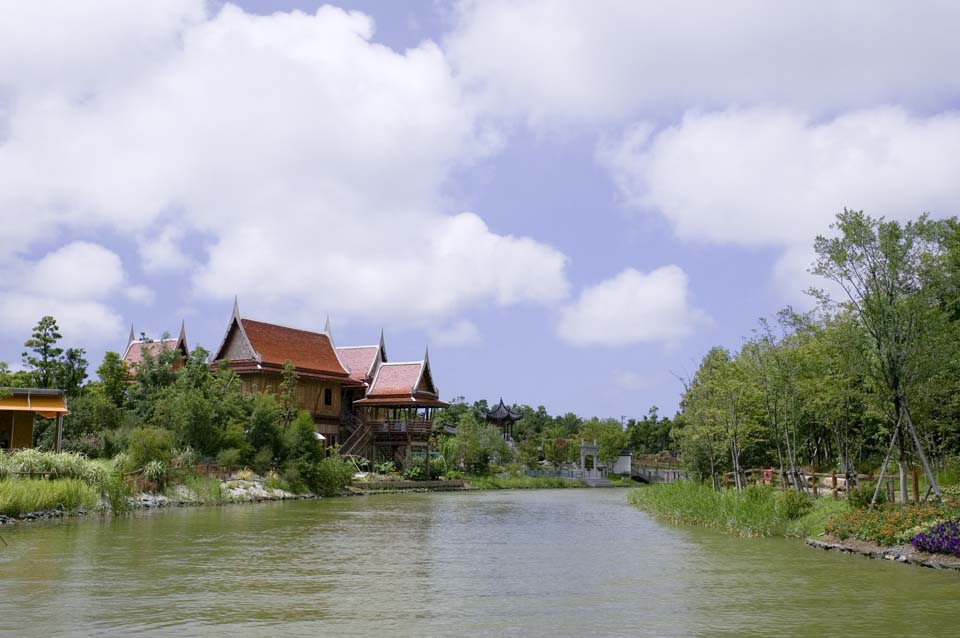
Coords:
pixel 833 485
pixel 59 441
pixel 890 495
pixel 816 483
pixel 916 485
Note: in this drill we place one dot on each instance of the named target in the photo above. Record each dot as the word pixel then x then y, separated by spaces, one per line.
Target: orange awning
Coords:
pixel 44 405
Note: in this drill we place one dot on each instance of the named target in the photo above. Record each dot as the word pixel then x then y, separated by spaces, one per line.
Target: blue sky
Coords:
pixel 569 202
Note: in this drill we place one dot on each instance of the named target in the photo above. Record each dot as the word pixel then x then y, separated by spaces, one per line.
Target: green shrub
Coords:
pixel 116 493
pixel 795 504
pixel 54 465
pixel 148 444
pixel 387 467
pixel 205 489
pixel 155 471
pixel 33 495
pixel 229 457
pixel 860 497
pixel 263 460
pixel 414 473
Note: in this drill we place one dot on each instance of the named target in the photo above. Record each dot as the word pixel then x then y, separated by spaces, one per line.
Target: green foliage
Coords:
pixel 516 482
pixel 113 375
pixel 475 446
pixel 54 465
pixel 34 495
pixel 42 355
pixel 756 511
pixel 205 489
pixel 264 432
pixel 610 436
pixel 148 444
pixel 230 457
pixel 860 497
pixel 155 471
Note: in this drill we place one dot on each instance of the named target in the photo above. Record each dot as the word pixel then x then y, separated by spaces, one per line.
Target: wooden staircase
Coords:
pixel 358 440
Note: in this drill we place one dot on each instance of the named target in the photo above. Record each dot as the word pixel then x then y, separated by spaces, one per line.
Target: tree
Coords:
pixel 42 358
pixel 113 375
pixel 610 437
pixel 71 371
pixel 881 268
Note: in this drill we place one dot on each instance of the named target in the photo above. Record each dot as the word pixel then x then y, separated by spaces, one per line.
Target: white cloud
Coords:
pixel 75 284
pixel 575 61
pixel 79 270
pixel 459 333
pixel 305 162
pixel 775 177
pixel 632 307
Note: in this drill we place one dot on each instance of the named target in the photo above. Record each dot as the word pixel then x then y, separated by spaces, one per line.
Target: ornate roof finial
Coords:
pixel 326 327
pixel 236 308
pixel 132 337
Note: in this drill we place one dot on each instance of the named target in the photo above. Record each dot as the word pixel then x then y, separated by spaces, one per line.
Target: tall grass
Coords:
pixel 519 482
pixel 34 495
pixel 205 489
pixel 32 463
pixel 756 511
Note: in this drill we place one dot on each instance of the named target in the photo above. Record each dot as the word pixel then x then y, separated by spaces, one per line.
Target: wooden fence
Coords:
pixel 832 483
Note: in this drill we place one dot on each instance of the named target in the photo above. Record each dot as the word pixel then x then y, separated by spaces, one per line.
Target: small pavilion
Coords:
pixel 19 406
pixel 504 418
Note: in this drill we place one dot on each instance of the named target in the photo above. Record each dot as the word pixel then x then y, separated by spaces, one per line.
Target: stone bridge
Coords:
pixel 657 474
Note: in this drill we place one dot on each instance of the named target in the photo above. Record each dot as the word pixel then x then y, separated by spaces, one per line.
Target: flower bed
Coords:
pixel 942 538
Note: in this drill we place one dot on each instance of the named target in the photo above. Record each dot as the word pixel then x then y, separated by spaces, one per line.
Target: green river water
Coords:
pixel 512 563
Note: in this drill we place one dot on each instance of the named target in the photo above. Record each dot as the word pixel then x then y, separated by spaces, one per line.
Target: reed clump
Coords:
pixel 40 495
pixel 755 511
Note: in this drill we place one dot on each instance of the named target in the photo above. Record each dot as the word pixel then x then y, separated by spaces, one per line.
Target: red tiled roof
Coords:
pixel 306 350
pixel 358 360
pixel 395 379
pixel 135 350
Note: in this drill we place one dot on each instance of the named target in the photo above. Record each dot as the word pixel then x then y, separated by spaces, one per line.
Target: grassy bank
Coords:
pixel 754 512
pixel 519 482
pixel 35 495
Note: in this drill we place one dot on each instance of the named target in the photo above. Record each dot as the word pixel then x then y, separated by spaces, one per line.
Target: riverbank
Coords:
pixel 754 512
pixel 27 500
pixel 899 553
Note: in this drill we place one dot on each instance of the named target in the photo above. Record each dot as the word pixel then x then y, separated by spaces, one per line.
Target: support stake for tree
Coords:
pixel 886 459
pixel 923 457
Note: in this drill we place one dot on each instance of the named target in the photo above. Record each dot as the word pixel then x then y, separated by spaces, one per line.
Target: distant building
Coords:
pixel 504 418
pixel 133 354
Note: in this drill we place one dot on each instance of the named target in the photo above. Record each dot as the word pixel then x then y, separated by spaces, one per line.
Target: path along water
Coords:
pixel 513 563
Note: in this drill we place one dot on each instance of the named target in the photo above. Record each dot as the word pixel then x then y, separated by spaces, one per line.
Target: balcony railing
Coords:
pixel 401 427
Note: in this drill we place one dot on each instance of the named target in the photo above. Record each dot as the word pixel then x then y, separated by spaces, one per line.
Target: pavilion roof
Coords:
pixel 502 413
pixel 45 402
pixel 403 383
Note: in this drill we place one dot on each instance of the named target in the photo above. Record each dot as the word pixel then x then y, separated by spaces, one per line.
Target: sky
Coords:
pixel 568 202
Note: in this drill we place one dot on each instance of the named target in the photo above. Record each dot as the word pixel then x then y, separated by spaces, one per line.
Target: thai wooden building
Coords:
pixel 394 419
pixel 19 407
pixel 257 351
pixel 373 408
pixel 134 352
pixel 504 418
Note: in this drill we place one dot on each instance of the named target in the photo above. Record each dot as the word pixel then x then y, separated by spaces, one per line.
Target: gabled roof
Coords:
pixel 502 413
pixel 270 345
pixel 403 383
pixel 46 402
pixel 363 361
pixel 133 353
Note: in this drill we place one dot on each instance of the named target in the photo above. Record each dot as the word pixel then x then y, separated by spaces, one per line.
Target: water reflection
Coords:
pixel 525 563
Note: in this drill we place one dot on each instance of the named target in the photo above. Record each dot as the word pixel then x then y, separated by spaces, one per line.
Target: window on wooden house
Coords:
pixel 327 396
